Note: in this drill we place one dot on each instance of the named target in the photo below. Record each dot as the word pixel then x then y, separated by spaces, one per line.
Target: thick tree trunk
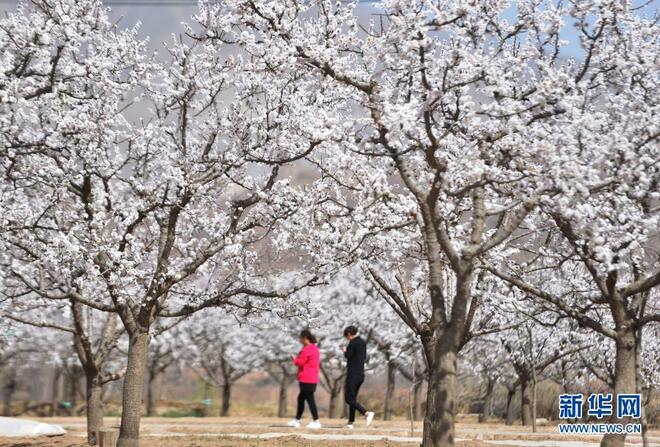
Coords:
pixel 640 390
pixel 131 412
pixel 525 402
pixel 94 391
pixel 226 399
pixel 488 401
pixel 8 389
pixel 417 401
pixel 282 401
pixel 439 430
pixel 389 392
pixel 625 382
pixel 509 405
pixel 151 393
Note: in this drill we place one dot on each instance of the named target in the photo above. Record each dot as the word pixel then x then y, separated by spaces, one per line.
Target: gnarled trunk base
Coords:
pixel 439 430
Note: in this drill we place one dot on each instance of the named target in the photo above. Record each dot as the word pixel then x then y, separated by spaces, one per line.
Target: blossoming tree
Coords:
pixel 449 110
pixel 594 255
pixel 144 212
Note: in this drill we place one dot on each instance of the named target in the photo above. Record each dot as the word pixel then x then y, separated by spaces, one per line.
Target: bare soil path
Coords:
pixel 273 432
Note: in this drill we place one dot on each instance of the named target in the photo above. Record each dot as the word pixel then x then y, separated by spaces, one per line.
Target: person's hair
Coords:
pixel 306 333
pixel 350 330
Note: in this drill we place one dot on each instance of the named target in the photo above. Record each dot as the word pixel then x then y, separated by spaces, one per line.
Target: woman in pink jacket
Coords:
pixel 308 361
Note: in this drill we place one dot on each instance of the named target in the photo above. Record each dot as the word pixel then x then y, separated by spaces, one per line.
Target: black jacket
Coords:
pixel 356 357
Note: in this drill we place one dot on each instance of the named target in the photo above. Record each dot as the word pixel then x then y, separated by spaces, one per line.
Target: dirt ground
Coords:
pixel 293 441
pixel 273 432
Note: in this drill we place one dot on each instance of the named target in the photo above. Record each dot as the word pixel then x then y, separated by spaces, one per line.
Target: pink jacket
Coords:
pixel 307 362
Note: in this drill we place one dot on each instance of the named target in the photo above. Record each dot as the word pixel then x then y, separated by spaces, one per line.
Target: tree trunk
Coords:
pixel 389 393
pixel 151 393
pixel 332 406
pixel 509 405
pixel 525 402
pixel 439 430
pixel 55 392
pixel 282 399
pixel 94 391
pixel 533 393
pixel 488 400
pixel 72 391
pixel 335 401
pixel 226 399
pixel 565 379
pixel 8 389
pixel 644 420
pixel 640 390
pixel 129 432
pixel 417 400
pixel 625 382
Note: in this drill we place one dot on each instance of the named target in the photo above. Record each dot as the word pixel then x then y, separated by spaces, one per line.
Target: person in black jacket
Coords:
pixel 356 356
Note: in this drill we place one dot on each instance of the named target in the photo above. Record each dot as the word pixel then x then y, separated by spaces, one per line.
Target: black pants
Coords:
pixel 353 385
pixel 307 394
